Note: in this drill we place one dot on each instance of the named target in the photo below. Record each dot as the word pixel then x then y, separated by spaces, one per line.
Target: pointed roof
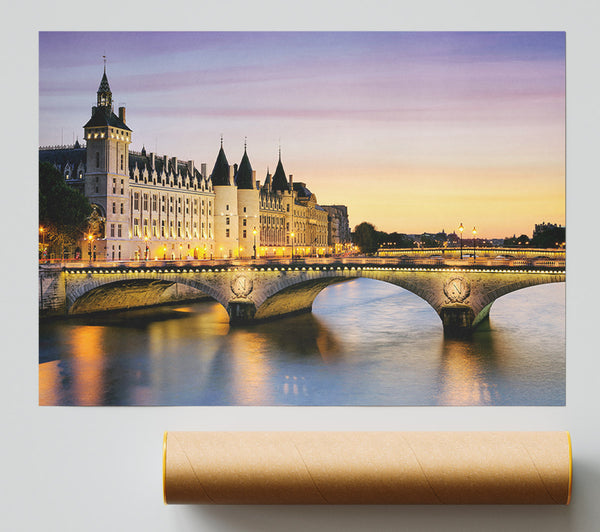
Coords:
pixel 104 86
pixel 280 182
pixel 267 183
pixel 243 178
pixel 105 117
pixel 220 173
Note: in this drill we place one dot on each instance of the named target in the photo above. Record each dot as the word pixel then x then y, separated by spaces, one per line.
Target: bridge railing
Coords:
pixel 435 262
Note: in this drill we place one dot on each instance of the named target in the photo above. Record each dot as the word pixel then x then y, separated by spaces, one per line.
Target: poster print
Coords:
pixel 291 218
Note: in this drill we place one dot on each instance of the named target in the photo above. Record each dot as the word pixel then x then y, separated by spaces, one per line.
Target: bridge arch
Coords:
pixel 102 293
pixel 295 297
pixel 488 298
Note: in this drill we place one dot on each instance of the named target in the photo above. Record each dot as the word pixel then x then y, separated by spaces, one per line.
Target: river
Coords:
pixel 365 343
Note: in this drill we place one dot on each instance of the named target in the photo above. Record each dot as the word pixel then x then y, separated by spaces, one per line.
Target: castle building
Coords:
pixel 158 207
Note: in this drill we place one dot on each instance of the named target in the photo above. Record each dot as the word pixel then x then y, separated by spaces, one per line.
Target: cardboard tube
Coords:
pixel 367 468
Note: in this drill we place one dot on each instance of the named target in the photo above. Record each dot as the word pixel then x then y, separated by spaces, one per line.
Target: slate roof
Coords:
pixel 220 173
pixel 143 161
pixel 104 86
pixel 60 157
pixel 267 182
pixel 302 191
pixel 105 117
pixel 243 177
pixel 280 182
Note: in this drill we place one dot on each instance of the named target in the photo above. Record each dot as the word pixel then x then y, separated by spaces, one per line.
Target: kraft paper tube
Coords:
pixel 367 467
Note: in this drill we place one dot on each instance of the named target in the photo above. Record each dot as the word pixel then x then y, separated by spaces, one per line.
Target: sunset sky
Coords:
pixel 413 132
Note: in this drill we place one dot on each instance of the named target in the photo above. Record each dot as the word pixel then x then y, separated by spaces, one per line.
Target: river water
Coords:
pixel 366 343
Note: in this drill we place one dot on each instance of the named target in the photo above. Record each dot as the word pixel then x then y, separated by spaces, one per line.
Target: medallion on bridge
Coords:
pixel 457 289
pixel 241 285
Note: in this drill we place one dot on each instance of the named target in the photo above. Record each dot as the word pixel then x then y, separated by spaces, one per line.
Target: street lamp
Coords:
pixel 90 238
pixel 292 237
pixel 254 233
pixel 147 249
pixel 180 248
pixel 461 229
pixel 474 243
pixel 165 252
pixel 43 240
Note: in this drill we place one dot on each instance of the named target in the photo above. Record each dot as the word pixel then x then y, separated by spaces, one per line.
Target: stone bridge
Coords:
pixel 255 291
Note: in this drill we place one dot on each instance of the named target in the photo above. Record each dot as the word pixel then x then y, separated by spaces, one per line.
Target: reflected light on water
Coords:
pixel 464 374
pixel 250 370
pixel 81 374
pixel 367 343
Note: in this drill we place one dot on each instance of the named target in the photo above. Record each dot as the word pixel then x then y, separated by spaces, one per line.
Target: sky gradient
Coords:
pixel 413 131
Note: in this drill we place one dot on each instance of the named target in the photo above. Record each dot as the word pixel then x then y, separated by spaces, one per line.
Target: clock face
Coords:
pixel 457 289
pixel 241 285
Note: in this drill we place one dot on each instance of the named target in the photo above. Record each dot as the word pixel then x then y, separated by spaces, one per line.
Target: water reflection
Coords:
pixel 465 370
pixel 366 343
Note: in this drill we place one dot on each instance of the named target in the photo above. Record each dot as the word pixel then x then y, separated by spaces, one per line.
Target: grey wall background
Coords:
pixel 99 469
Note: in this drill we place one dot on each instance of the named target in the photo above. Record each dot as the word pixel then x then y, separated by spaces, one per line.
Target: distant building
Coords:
pixel 160 207
pixel 338 228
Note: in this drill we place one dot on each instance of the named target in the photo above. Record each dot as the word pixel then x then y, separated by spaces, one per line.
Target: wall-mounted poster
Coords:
pixel 302 218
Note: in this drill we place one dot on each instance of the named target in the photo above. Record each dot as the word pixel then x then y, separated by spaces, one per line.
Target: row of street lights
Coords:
pixel 461 228
pixel 90 239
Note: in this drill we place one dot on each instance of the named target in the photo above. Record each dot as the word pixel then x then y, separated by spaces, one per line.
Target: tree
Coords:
pixel 366 237
pixel 513 241
pixel 63 211
pixel 548 236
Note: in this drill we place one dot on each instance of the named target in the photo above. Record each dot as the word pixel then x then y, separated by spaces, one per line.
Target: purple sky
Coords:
pixel 413 131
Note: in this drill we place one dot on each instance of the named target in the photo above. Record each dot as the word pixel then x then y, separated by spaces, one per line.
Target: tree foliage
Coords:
pixel 514 240
pixel 548 236
pixel 63 211
pixel 395 240
pixel 366 237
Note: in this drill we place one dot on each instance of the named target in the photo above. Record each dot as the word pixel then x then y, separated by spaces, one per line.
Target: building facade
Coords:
pixel 338 228
pixel 158 207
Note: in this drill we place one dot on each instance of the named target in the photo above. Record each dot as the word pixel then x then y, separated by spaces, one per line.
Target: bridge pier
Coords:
pixel 458 320
pixel 241 311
